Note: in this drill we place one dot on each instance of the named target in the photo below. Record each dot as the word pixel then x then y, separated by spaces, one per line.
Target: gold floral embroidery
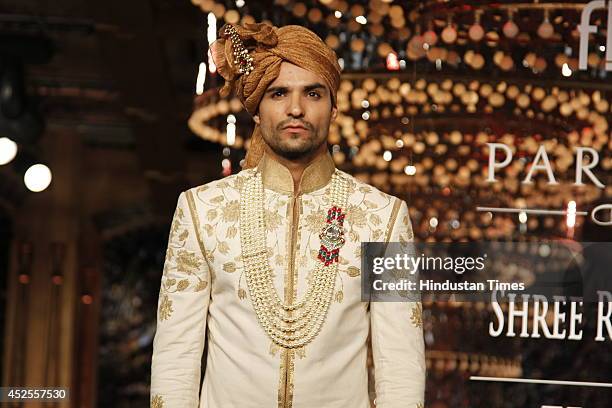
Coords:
pixel 180 213
pixel 356 216
pixel 210 256
pixel 353 184
pixel 272 219
pixel 165 308
pixel 314 222
pixel 375 219
pixel 223 247
pixel 369 204
pixel 157 401
pixel 217 200
pixel 241 293
pixel 231 212
pixel 420 405
pixel 417 315
pixel 187 261
pixel 229 267
pixel 182 285
pixel 353 271
pixel 339 296
pixel 187 264
pixel 211 214
pixel 209 230
pixel 377 234
pixel 238 182
pixel 231 231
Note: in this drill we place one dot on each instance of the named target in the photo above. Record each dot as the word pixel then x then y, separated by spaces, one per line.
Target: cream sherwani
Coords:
pixel 204 295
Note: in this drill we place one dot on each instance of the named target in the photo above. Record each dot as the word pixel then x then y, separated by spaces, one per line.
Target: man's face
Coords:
pixel 295 113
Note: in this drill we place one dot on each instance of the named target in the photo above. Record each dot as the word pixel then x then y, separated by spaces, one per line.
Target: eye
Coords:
pixel 277 93
pixel 314 94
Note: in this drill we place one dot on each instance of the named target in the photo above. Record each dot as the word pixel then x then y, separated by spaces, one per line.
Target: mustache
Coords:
pixel 284 123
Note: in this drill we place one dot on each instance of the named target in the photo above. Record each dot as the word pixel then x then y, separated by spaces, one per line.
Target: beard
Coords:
pixel 293 146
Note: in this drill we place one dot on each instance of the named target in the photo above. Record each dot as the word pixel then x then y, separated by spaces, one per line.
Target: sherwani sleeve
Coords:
pixel 397 338
pixel 181 314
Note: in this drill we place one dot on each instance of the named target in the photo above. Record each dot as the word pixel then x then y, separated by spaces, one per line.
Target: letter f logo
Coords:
pixel 585 28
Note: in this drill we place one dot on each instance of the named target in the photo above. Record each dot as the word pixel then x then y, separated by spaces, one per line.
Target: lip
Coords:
pixel 295 127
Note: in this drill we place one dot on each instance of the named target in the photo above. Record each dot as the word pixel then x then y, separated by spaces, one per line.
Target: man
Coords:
pixel 265 264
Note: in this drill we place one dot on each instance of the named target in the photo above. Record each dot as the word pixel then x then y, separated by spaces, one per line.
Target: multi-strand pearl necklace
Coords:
pixel 290 325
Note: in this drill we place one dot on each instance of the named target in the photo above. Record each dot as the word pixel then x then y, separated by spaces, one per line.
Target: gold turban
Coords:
pixel 267 46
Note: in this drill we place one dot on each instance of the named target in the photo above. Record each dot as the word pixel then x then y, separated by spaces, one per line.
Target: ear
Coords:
pixel 256 119
pixel 334 113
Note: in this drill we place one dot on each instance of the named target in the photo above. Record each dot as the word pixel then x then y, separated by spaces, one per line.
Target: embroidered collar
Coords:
pixel 277 177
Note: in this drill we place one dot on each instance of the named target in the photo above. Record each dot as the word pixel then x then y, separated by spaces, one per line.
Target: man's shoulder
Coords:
pixel 221 190
pixel 368 191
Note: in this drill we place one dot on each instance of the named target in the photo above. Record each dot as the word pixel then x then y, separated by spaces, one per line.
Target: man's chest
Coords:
pixel 293 227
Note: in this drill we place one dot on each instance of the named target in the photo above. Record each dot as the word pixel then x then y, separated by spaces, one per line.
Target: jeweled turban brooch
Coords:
pixel 242 58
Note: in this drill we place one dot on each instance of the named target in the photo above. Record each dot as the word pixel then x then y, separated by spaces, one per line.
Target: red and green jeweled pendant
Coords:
pixel 332 236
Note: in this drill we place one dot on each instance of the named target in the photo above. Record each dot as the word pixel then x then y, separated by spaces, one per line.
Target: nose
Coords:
pixel 295 108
